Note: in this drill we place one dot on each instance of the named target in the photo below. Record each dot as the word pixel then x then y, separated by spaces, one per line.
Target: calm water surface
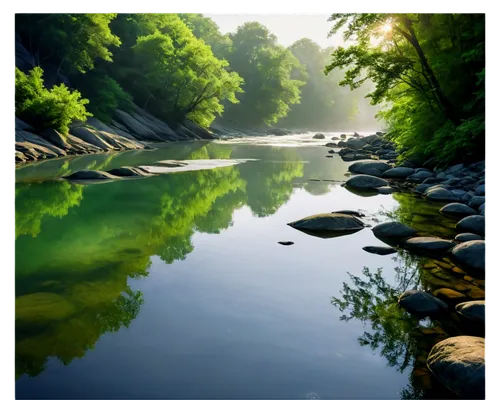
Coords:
pixel 175 286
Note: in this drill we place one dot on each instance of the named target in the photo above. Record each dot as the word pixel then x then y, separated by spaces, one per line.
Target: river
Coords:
pixel 175 286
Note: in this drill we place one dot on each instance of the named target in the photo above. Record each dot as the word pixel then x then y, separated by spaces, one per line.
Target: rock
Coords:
pixel 458 363
pixel 331 145
pixel 318 136
pixel 343 136
pixel 467 237
pixel 449 295
pixel 87 135
pixel 421 304
pixel 86 175
pixel 480 190
pixel 466 197
pixel 458 192
pixel 433 181
pixel 422 188
pixel 366 182
pixel 387 190
pixel 286 243
pixel 374 168
pixel 380 250
pixel 341 143
pixel 355 134
pixel 472 310
pixel 420 176
pixel 350 212
pixel 331 151
pixel 470 255
pixel 393 231
pixel 407 164
pixel 355 144
pixel 476 201
pixel 329 156
pixel 335 138
pixel 427 244
pixel 379 133
pixel 482 207
pixel 473 223
pixel 54 137
pixel 370 139
pixel 328 225
pixel 398 173
pixel 129 172
pixel 440 194
pixel 457 210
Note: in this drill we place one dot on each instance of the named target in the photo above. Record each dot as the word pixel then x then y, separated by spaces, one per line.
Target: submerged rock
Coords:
pixel 470 255
pixel 374 168
pixel 387 190
pixel 458 363
pixel 421 304
pixel 472 310
pixel 129 172
pixel 286 243
pixel 89 175
pixel 380 250
pixel 328 225
pixel 366 182
pixel 473 223
pixel 457 210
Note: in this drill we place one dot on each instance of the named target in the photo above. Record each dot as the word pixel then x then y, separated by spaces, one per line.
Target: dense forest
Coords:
pixel 422 74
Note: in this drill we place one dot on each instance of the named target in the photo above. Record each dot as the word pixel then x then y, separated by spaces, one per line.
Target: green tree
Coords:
pixel 428 69
pixel 55 108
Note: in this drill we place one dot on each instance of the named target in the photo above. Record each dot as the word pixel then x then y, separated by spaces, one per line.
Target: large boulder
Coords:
pixel 441 194
pixel 393 231
pixel 380 250
pixel 457 210
pixel 473 224
pixel 328 225
pixel 374 168
pixel 422 304
pixel 472 310
pixel 470 255
pixel 398 173
pixel 365 182
pixel 458 363
pixel 318 136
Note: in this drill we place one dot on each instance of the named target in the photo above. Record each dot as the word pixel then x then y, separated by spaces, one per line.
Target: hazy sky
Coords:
pixel 288 28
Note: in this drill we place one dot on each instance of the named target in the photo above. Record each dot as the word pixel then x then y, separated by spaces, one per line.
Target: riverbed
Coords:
pixel 175 286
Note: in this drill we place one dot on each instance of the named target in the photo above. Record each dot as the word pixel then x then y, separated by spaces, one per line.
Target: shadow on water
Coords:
pixel 400 338
pixel 78 246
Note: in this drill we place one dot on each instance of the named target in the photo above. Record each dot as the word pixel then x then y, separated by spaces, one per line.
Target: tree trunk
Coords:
pixel 448 107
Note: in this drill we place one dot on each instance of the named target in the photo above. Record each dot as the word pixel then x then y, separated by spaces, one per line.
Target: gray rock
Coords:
pixel 476 201
pixel 420 176
pixel 393 230
pixel 422 188
pixel 355 144
pixel 481 207
pixel 380 250
pixel 87 135
pixel 473 310
pixel 374 168
pixel 331 145
pixel 467 237
pixel 466 197
pixel 328 225
pixel 129 172
pixel 457 210
pixel 473 223
pixel 318 136
pixel 371 139
pixel 54 137
pixel 454 168
pixel 481 190
pixel 458 363
pixel 365 182
pixel 470 255
pixel 422 304
pixel 458 192
pixel 343 136
pixel 90 175
pixel 335 138
pixel 440 194
pixel 441 175
pixel 331 151
pixel 398 173
pixel 407 164
pixel 350 212
pixel 433 181
pixel 427 244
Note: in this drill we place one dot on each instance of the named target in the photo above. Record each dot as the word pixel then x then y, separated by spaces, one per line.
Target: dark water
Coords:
pixel 175 287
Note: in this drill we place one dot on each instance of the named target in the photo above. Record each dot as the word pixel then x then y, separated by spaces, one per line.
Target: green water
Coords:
pixel 174 286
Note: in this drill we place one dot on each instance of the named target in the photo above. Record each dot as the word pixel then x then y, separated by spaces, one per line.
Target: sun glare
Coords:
pixel 386 28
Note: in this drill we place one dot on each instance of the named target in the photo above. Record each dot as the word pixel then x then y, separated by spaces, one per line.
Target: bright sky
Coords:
pixel 287 27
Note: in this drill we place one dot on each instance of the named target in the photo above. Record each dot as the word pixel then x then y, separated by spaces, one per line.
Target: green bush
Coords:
pixel 42 108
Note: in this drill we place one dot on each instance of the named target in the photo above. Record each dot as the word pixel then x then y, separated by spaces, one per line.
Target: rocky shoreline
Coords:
pixel 455 356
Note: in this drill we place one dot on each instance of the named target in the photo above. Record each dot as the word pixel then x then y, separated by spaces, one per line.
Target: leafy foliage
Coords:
pixel 55 108
pixel 429 71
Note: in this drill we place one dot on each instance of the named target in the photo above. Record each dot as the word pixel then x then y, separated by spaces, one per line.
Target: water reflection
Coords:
pixel 400 338
pixel 77 246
